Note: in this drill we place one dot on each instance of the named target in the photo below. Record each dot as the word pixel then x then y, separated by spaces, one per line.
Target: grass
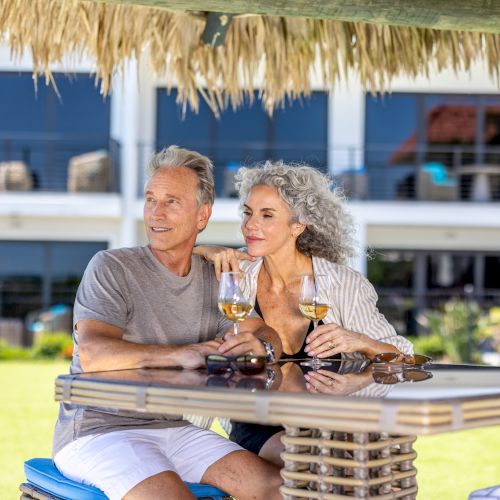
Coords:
pixel 450 465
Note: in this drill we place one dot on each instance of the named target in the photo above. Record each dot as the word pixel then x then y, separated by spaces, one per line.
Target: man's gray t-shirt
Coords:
pixel 131 289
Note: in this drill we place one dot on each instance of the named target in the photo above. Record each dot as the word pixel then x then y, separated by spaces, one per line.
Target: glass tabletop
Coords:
pixel 391 381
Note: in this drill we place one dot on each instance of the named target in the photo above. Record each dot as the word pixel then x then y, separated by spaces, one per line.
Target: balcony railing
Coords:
pixel 382 172
pixel 43 163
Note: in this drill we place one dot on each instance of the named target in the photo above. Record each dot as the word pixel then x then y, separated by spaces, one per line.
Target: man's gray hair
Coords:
pixel 313 202
pixel 174 156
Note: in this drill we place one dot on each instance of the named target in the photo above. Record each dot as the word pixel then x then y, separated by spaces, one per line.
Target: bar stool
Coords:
pixel 45 482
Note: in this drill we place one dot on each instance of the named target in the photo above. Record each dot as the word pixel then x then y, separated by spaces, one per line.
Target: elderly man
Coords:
pixel 156 306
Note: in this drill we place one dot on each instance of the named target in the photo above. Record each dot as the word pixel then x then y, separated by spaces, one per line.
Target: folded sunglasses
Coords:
pixel 406 359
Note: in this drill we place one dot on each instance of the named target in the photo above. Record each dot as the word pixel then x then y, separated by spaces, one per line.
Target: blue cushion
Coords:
pixel 439 174
pixel 43 473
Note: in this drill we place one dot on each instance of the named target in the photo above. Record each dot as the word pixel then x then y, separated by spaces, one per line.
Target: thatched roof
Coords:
pixel 284 51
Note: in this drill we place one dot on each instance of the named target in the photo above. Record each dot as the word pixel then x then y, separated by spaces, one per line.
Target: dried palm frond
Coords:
pixel 284 52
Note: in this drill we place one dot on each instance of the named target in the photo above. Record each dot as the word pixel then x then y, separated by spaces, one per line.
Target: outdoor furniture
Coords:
pixel 89 173
pixel 45 482
pixel 435 184
pixel 335 446
pixel 480 187
pixel 15 176
pixel 492 493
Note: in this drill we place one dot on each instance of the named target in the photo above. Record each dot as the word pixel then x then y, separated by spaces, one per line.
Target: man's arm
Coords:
pixel 101 347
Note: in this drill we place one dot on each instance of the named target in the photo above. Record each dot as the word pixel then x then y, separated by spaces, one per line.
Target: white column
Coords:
pixel 359 261
pixel 346 119
pixel 125 129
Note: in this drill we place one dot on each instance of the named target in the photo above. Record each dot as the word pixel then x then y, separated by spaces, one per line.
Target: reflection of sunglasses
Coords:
pixel 248 364
pixel 407 359
pixel 381 376
pixel 251 383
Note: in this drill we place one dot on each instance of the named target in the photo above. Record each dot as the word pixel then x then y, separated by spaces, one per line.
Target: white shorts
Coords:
pixel 117 461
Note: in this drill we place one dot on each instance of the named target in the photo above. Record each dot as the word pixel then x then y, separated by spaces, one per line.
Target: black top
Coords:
pixel 301 354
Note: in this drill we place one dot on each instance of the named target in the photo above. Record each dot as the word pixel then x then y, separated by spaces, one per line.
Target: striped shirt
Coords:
pixel 354 302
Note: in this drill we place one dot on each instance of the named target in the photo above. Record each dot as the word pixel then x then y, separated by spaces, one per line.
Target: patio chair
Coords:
pixel 45 482
pixel 15 176
pixel 491 493
pixel 89 173
pixel 435 184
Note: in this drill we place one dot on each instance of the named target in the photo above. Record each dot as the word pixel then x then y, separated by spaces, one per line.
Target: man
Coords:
pixel 156 306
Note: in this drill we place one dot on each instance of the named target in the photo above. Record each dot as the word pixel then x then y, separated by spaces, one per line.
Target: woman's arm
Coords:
pixel 224 259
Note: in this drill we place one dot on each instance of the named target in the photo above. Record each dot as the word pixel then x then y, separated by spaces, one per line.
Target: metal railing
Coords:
pixel 45 161
pixel 380 172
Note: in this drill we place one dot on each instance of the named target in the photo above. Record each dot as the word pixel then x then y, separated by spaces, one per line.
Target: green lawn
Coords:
pixel 29 412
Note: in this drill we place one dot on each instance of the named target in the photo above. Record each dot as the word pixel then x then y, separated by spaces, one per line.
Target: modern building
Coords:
pixel 421 167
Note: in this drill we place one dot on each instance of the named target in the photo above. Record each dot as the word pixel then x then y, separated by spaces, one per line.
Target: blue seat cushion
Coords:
pixel 43 473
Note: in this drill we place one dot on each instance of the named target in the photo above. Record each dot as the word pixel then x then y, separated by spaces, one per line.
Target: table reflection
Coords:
pixel 355 378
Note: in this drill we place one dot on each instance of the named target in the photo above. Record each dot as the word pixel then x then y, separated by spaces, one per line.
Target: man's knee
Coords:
pixel 245 475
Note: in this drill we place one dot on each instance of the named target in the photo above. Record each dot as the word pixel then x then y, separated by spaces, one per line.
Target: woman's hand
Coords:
pixel 327 340
pixel 327 382
pixel 224 259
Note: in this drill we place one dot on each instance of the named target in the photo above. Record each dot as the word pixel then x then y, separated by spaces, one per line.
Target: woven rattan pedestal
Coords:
pixel 329 465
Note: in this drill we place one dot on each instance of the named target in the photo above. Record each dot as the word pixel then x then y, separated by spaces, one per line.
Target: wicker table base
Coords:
pixel 329 465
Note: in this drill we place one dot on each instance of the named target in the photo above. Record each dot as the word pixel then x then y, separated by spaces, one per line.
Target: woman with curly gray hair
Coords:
pixel 294 224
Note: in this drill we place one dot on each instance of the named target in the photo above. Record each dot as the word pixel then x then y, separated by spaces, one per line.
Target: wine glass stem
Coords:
pixel 235 328
pixel 315 323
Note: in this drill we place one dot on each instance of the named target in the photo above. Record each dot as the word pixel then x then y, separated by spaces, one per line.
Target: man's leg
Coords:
pixel 245 476
pixel 165 485
pixel 202 456
pixel 130 464
pixel 273 448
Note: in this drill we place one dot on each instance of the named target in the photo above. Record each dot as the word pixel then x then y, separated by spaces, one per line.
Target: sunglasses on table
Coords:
pixel 404 375
pixel 248 364
pixel 406 359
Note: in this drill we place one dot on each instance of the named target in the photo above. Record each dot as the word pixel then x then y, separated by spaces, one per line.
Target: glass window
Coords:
pixel 446 270
pixel 391 268
pixel 492 271
pixel 391 138
pixel 22 270
pixel 45 130
pixel 450 129
pixel 35 275
pixel 247 135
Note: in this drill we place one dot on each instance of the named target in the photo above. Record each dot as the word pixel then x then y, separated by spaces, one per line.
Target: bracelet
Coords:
pixel 270 354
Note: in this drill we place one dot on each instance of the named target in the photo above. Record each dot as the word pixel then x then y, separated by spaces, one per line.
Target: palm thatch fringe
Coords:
pixel 285 52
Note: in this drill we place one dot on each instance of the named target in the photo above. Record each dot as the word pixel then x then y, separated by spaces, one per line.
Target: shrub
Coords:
pixel 457 327
pixel 431 345
pixel 53 345
pixel 8 352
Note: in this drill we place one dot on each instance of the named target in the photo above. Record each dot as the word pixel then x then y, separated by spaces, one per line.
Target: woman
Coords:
pixel 294 224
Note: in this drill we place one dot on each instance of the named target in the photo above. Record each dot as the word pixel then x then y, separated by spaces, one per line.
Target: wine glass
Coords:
pixel 236 298
pixel 314 303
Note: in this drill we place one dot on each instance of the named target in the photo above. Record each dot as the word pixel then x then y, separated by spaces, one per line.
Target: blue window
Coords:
pixel 45 130
pixel 35 275
pixel 297 133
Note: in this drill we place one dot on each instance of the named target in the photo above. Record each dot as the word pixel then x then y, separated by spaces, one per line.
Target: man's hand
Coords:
pixel 193 355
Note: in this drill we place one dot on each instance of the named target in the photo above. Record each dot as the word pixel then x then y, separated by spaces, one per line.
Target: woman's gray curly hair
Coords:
pixel 313 202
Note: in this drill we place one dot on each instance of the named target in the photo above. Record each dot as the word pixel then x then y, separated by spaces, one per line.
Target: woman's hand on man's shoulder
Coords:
pixel 224 259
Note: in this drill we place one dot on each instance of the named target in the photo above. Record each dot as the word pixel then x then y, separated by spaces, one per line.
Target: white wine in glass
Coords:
pixel 314 304
pixel 235 297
